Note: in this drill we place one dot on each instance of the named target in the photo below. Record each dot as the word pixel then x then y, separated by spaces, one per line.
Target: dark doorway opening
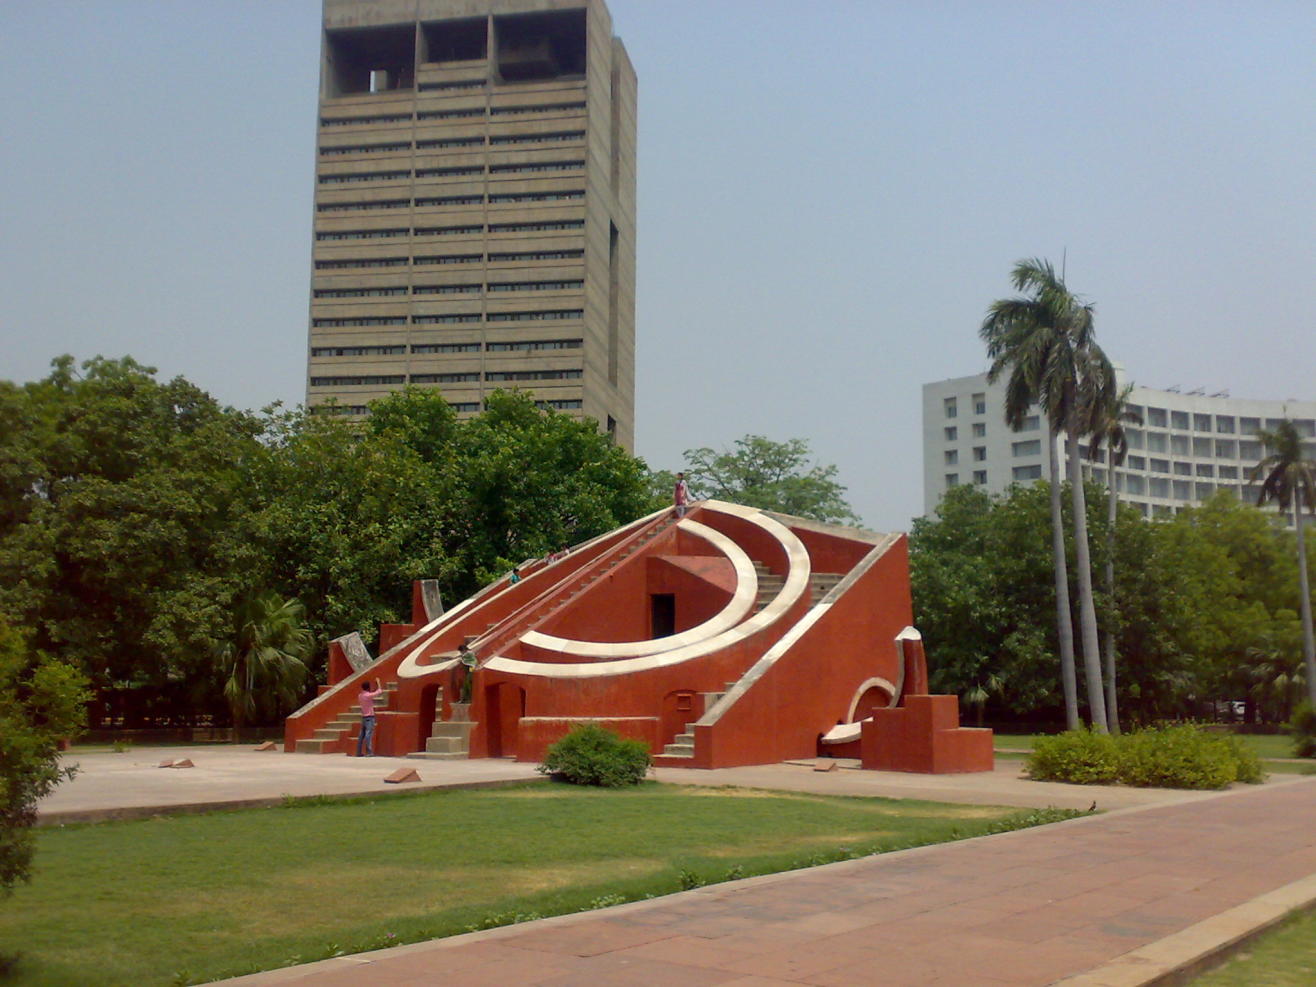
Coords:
pixel 662 614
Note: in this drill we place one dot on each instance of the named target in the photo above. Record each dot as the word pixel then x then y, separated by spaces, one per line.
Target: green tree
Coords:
pixel 41 702
pixel 775 476
pixel 983 588
pixel 121 500
pixel 345 519
pixel 1045 339
pixel 263 663
pixel 529 481
pixel 981 573
pixel 1230 573
pixel 1287 478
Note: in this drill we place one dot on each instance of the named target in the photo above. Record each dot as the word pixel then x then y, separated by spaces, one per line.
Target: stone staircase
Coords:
pixel 326 738
pixel 769 586
pixel 683 744
pixel 449 739
pixel 820 584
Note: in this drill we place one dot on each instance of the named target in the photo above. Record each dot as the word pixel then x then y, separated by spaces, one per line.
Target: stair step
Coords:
pixel 434 756
pixel 312 746
pixel 452 728
pixel 447 745
pixel 679 750
pixel 672 760
pixel 326 734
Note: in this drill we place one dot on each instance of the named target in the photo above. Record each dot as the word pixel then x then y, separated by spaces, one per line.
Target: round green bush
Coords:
pixel 1248 763
pixel 591 755
pixel 1176 757
pixel 1161 757
pixel 1079 757
pixel 1302 728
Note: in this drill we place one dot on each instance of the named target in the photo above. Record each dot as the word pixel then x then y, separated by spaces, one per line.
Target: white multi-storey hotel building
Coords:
pixel 1188 446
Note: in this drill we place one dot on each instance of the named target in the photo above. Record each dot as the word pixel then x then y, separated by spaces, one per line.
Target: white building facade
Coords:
pixel 1188 446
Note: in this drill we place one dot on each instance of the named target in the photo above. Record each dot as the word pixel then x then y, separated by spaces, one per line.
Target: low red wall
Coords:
pixel 924 736
pixel 536 734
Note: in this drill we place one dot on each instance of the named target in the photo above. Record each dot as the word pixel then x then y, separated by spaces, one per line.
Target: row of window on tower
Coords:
pixel 523 109
pixel 564 195
pixel 392 291
pixel 449 143
pixel 470 377
pixel 453 318
pixel 397 349
pixel 461 407
pixel 396 175
pixel 468 229
pixel 493 257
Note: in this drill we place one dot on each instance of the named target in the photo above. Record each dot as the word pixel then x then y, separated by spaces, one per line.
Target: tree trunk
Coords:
pixel 1064 620
pixel 1087 608
pixel 1112 621
pixel 1304 601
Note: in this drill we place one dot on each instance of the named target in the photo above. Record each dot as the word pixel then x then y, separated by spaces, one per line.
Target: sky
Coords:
pixel 830 196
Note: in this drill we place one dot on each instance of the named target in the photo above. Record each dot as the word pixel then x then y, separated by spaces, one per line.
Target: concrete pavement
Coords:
pixel 131 784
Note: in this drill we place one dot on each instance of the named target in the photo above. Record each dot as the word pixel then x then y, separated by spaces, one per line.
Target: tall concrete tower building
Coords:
pixel 475 206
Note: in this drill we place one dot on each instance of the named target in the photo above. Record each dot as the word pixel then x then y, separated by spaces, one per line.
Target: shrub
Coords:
pixel 41 702
pixel 1303 730
pixel 591 755
pixel 1176 757
pixel 1163 757
pixel 1078 756
pixel 1247 761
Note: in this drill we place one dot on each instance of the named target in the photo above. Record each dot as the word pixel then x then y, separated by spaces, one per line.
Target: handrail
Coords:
pixel 411 668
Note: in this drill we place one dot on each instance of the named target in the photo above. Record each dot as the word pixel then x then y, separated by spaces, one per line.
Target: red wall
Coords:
pixel 808 690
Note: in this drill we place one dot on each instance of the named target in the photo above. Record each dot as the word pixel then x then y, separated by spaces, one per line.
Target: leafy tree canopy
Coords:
pixel 1205 601
pixel 774 476
pixel 120 500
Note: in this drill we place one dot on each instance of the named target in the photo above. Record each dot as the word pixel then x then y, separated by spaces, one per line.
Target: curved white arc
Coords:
pixel 843 733
pixel 410 667
pixel 876 682
pixel 741 602
pixel 796 582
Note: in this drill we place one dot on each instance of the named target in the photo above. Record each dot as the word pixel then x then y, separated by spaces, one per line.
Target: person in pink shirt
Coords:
pixel 366 697
pixel 681 495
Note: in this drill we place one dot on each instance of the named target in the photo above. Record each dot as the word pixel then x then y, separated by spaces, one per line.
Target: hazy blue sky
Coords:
pixel 830 195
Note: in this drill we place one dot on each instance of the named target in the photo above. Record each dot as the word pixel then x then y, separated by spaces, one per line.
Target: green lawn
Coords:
pixel 189 898
pixel 1283 958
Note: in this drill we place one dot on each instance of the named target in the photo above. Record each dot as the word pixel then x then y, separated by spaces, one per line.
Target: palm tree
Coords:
pixel 1290 479
pixel 1106 426
pixel 266 654
pixel 1046 340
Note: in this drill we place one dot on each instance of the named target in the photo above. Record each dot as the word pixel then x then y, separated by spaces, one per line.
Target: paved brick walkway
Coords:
pixel 1097 899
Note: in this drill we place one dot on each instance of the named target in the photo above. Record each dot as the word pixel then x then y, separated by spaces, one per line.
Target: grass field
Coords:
pixel 184 899
pixel 1285 957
